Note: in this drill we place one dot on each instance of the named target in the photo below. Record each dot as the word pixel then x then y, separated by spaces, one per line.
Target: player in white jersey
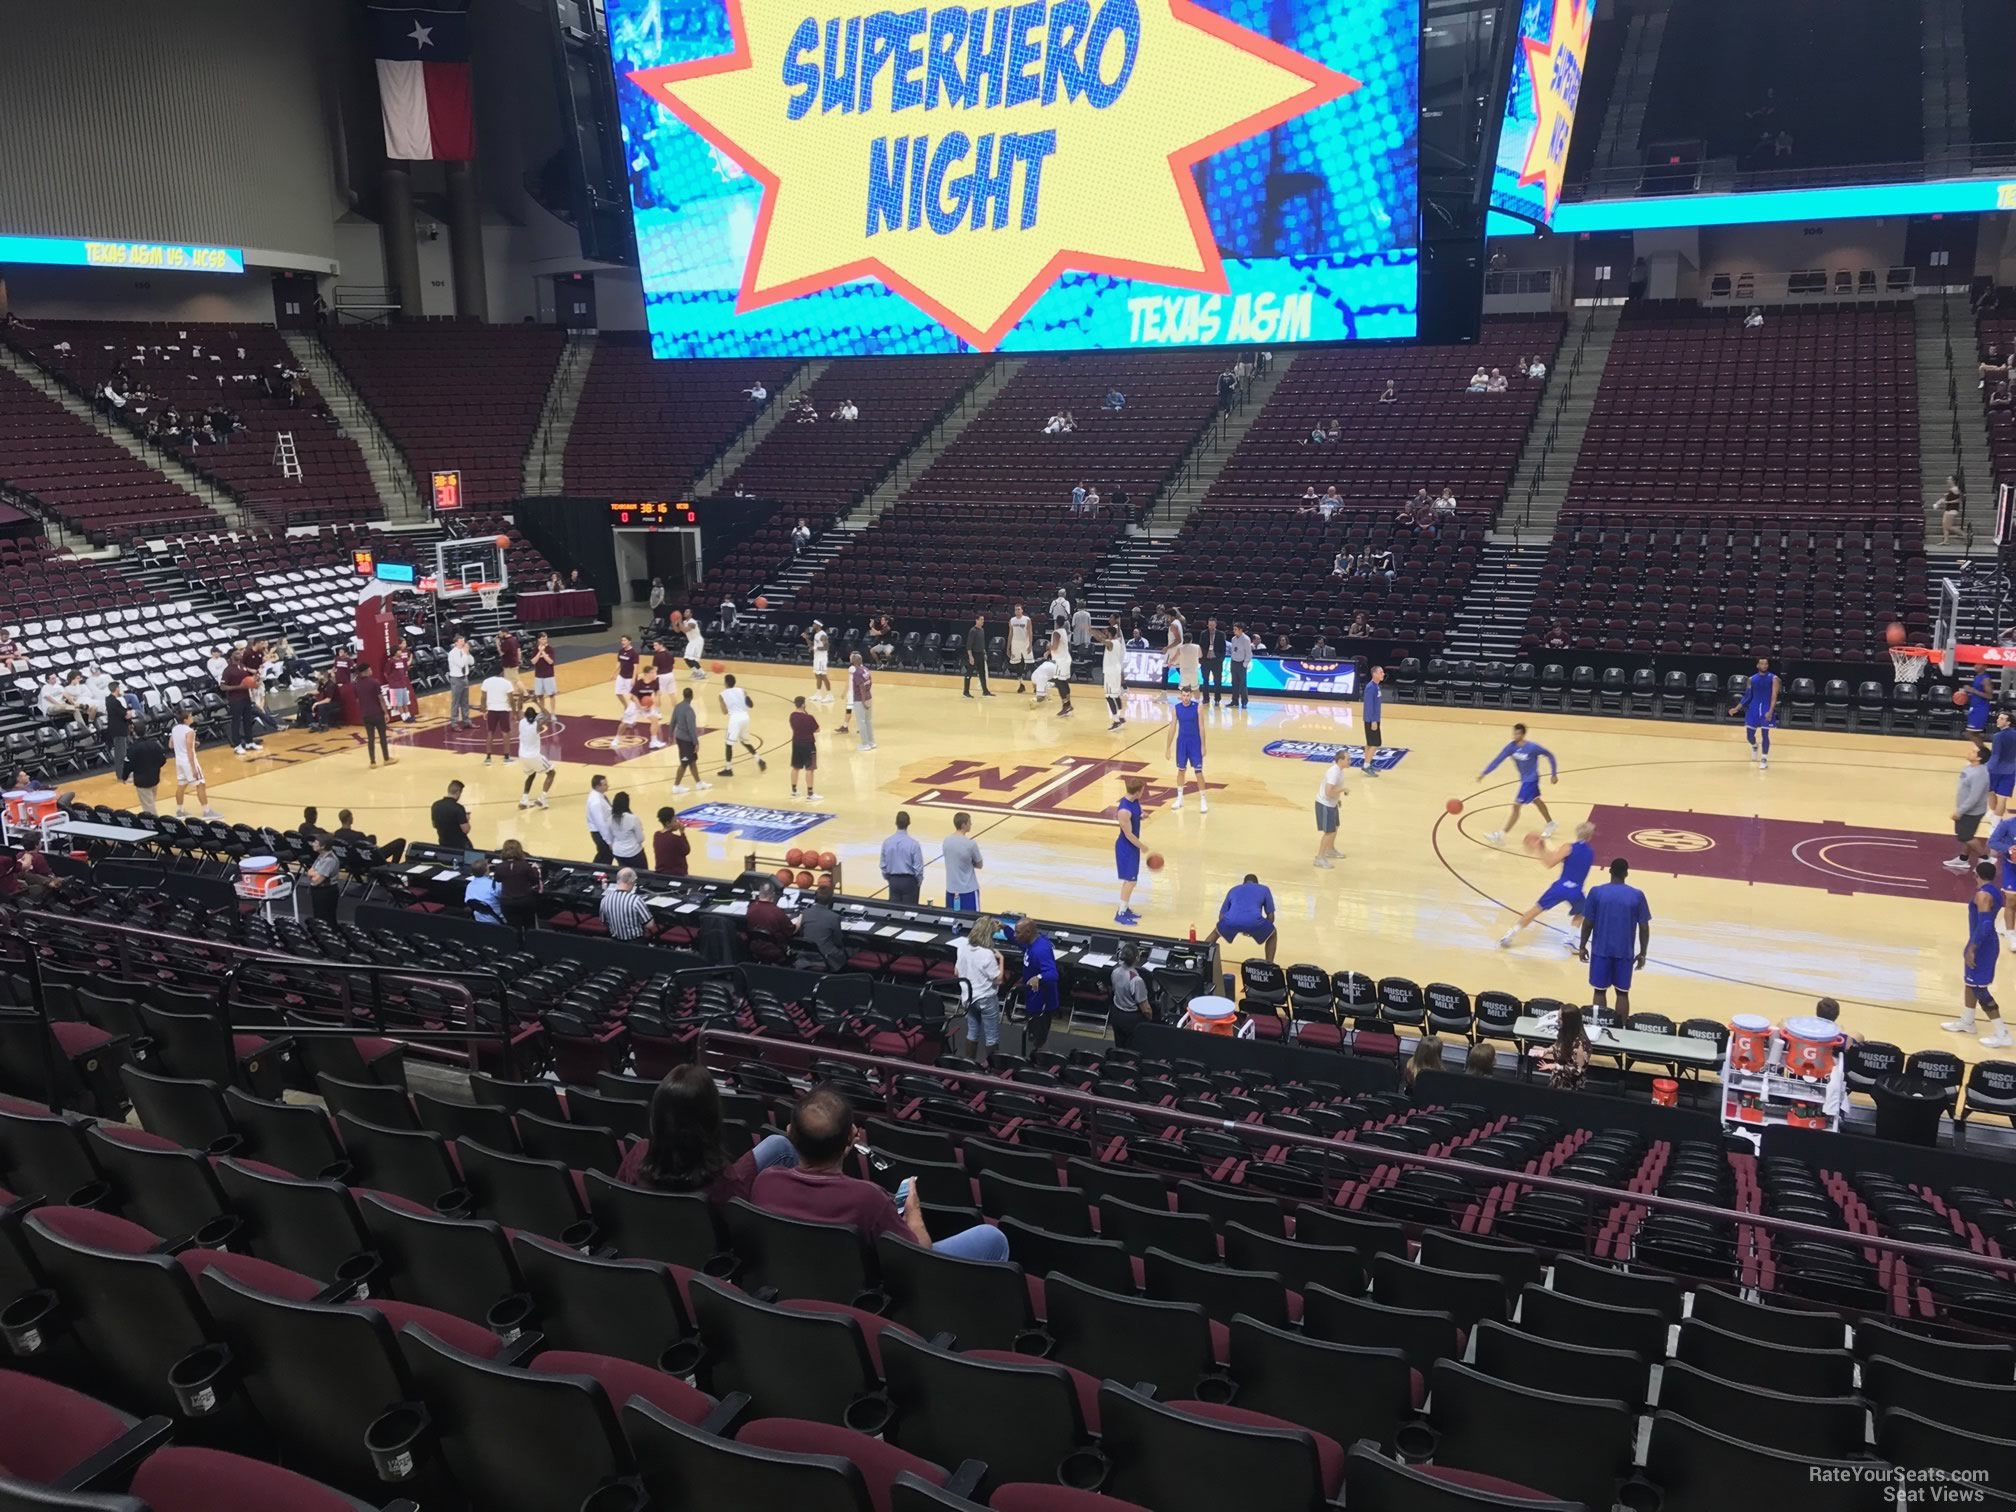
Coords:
pixel 188 770
pixel 822 685
pixel 1114 666
pixel 533 758
pixel 1055 671
pixel 735 705
pixel 1021 652
pixel 696 647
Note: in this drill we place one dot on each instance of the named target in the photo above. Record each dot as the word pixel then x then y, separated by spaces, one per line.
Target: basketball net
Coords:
pixel 489 593
pixel 1910 662
pixel 1910 665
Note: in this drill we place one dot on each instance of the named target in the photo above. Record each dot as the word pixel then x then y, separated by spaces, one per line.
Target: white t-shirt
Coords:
pixel 528 738
pixel 736 702
pixel 695 641
pixel 183 741
pixel 1332 785
pixel 1018 638
pixel 497 691
pixel 460 662
pixel 978 967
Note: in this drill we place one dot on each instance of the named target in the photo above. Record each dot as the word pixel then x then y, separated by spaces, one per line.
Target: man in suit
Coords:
pixel 976 657
pixel 1211 649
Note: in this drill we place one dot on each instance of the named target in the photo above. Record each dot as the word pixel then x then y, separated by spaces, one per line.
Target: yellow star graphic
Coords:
pixel 986 184
pixel 1556 69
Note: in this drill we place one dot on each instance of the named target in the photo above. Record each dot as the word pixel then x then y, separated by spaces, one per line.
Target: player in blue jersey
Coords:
pixel 1575 859
pixel 1127 847
pixel 1375 705
pixel 1977 962
pixel 2002 763
pixel 1760 711
pixel 1186 737
pixel 2002 853
pixel 1980 704
pixel 1525 757
pixel 1613 915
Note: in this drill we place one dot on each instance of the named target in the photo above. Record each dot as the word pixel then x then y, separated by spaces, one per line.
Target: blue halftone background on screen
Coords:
pixel 1326 206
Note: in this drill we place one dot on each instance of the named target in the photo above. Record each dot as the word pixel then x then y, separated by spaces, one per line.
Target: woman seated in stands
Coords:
pixel 1360 627
pixel 1427 1056
pixel 10 651
pixel 1567 1059
pixel 1389 394
pixel 684 1152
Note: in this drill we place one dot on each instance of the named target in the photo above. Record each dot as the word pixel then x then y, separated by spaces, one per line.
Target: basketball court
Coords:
pixel 1818 877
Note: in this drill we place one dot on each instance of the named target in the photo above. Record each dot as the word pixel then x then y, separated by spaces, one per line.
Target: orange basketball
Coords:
pixel 825 879
pixel 1531 842
pixel 1454 805
pixel 795 856
pixel 1959 698
pixel 1894 633
pixel 503 543
pixel 762 602
pixel 804 879
pixel 717 666
pixel 1155 862
pixel 828 860
pixel 784 876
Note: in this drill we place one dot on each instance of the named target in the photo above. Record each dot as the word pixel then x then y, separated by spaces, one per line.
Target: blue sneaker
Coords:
pixel 1126 916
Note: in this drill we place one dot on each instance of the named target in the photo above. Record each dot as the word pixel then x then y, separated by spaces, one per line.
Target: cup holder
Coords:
pixel 28 1322
pixel 869 1414
pixel 1084 1469
pixel 1035 1342
pixel 1416 1442
pixel 1640 1495
pixel 225 1144
pixel 454 1203
pixel 90 1195
pixel 199 1378
pixel 876 1302
pixel 336 1170
pixel 218 1233
pixel 357 1271
pixel 614 1496
pixel 509 1317
pixel 580 1236
pixel 683 1359
pixel 721 1266
pixel 1216 1389
pixel 395 1440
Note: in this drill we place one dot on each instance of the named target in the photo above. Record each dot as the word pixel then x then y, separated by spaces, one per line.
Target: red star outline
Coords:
pixel 1565 21
pixel 1325 85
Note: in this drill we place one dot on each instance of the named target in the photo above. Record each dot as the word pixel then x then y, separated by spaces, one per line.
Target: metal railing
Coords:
pixel 752 1047
pixel 1969 160
pixel 1552 435
pixel 333 989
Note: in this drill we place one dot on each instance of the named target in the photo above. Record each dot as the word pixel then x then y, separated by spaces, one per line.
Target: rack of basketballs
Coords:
pixel 799 868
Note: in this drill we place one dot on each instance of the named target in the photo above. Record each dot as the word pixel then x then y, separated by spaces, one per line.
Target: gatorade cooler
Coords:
pixel 259 876
pixel 1665 1092
pixel 1749 1042
pixel 29 808
pixel 1212 1015
pixel 1810 1047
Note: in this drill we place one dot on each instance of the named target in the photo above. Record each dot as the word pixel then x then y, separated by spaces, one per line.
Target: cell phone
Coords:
pixel 903 1194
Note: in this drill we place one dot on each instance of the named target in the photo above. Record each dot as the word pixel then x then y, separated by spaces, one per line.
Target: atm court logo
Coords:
pixel 1075 789
pixel 1316 750
pixel 968 157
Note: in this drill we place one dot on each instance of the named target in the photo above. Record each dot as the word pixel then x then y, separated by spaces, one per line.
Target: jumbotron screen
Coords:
pixel 1540 107
pixel 813 179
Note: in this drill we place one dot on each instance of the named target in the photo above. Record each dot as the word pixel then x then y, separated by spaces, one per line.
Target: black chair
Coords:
pixel 1991 1088
pixel 1423 1337
pixel 296 1137
pixel 414 1164
pixel 1046 1205
pixel 1167 1344
pixel 630 1309
pixel 1505 1354
pixel 1299 1265
pixel 678 1228
pixel 486 1123
pixel 1695 1469
pixel 1467 1296
pixel 1951 1358
pixel 387 1107
pixel 1773 1367
pixel 823 1261
pixel 460 1265
pixel 1367 1235
pixel 1774 1325
pixel 983 1304
pixel 312 1227
pixel 1021 1417
pixel 1592 1325
pixel 1140 1229
pixel 1911 1441
pixel 1224 1206
pixel 1349 1394
pixel 1515 1265
pixel 1103 1263
pixel 1223 1293
pixel 1172 1458
pixel 1818 1427
pixel 797 1364
pixel 1593 1281
pixel 1516 1433
pixel 1374 1483
pixel 520 1193
pixel 190 1112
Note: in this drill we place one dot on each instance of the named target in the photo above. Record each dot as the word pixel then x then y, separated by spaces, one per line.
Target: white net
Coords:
pixel 489 594
pixel 1909 665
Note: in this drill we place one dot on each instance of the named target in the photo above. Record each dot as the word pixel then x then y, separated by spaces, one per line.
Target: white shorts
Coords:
pixel 1046 674
pixel 536 763
pixel 818 663
pixel 546 687
pixel 738 728
pixel 622 687
pixel 188 772
pixel 1116 684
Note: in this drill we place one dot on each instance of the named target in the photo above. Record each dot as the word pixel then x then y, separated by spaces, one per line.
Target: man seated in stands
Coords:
pixel 847 410
pixel 1479 381
pixel 1390 394
pixel 10 651
pixel 1322 650
pixel 1998 397
pixel 1330 503
pixel 1754 319
pixel 882 638
pixel 817 1191
pixel 55 700
pixel 27 871
pixel 757 392
pixel 1496 383
pixel 1557 637
pixel 1115 400
pixel 801 536
pixel 819 932
pixel 765 917
pixel 805 412
pixel 1060 424
pixel 1537 370
pixel 1309 498
pixel 727 613
pixel 1322 433
pixel 350 837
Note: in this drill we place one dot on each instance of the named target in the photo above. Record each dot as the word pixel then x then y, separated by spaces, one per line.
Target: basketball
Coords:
pixel 828 860
pixel 1893 633
pixel 1959 698
pixel 503 543
pixel 1155 861
pixel 762 602
pixel 717 666
pixel 794 856
pixel 1532 842
pixel 784 876
pixel 825 879
pixel 804 879
pixel 1454 805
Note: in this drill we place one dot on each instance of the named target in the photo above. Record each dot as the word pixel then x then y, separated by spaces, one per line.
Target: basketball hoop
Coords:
pixel 489 594
pixel 1910 664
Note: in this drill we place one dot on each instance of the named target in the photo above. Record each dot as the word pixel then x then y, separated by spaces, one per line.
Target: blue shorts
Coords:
pixel 1326 818
pixel 1126 861
pixel 1977 718
pixel 1563 892
pixel 1259 931
pixel 1611 971
pixel 1190 754
pixel 1757 719
pixel 1529 791
pixel 1982 972
pixel 2002 784
pixel 2006 877
pixel 963 902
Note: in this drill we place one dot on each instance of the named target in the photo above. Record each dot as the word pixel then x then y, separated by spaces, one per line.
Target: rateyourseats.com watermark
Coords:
pixel 1912 1488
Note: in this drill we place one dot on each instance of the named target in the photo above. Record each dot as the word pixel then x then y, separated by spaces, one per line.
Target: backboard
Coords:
pixel 461 563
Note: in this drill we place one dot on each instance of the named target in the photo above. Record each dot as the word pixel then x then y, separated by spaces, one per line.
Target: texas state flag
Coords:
pixel 422 50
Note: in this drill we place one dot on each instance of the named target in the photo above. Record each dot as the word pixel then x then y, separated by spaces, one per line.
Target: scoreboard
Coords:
pixel 653 514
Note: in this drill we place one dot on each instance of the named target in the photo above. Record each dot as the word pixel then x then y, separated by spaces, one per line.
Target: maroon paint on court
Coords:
pixel 1830 856
pixel 578 737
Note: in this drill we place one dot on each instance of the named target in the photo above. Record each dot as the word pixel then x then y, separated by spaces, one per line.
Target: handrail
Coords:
pixel 730 1040
pixel 29 920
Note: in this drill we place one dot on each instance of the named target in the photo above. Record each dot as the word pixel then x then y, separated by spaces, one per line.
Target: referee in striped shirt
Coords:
pixel 623 908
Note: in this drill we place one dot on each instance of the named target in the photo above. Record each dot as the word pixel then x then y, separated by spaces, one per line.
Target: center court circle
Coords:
pixel 1675 841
